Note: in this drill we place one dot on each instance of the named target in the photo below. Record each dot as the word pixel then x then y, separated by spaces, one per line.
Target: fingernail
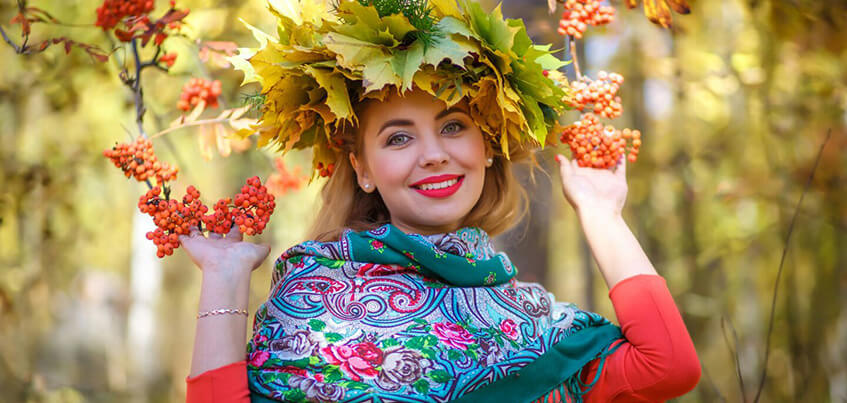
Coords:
pixel 559 158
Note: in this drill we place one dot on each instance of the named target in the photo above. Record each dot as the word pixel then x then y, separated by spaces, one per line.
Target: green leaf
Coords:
pixel 450 25
pixel 439 375
pixel 534 118
pixel 353 52
pixel 421 386
pixel 546 59
pixel 494 31
pixel 390 343
pixel 454 355
pixel 333 337
pixel 378 73
pixel 314 360
pixel 452 47
pixel 406 62
pixel 317 325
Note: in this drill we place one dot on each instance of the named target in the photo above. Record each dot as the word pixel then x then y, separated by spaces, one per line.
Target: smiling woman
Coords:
pixel 399 295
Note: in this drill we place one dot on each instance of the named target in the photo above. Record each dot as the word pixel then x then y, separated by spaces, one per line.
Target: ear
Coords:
pixel 362 174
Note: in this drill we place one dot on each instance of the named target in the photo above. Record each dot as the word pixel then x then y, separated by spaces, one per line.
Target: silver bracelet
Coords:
pixel 222 312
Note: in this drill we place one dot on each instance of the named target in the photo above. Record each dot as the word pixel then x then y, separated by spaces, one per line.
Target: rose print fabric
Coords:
pixel 380 313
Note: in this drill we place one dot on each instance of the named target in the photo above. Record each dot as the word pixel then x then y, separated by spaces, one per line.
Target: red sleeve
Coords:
pixel 220 385
pixel 657 361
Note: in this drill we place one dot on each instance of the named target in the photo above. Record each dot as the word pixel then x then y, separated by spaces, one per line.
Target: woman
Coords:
pixel 400 296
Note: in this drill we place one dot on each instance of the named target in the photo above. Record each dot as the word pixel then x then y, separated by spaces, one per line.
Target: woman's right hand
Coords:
pixel 223 255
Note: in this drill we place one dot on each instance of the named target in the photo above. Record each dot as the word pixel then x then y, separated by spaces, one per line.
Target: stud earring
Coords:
pixel 367 186
pixel 489 161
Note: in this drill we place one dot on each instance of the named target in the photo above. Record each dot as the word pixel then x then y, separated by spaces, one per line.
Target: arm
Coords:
pixel 658 360
pixel 218 366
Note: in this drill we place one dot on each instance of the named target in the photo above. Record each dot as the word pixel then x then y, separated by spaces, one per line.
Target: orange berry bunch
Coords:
pixel 579 14
pixel 111 12
pixel 325 170
pixel 198 90
pixel 137 159
pixel 251 213
pixel 598 146
pixel 253 207
pixel 171 217
pixel 283 180
pixel 601 93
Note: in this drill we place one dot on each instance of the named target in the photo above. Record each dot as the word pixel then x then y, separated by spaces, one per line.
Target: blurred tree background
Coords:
pixel 734 102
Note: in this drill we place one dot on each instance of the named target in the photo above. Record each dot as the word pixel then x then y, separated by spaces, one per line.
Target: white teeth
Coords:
pixel 439 185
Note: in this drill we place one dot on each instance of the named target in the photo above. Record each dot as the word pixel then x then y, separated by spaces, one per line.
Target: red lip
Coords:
pixel 439 193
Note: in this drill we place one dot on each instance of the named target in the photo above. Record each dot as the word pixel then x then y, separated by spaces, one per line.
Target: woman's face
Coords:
pixel 426 160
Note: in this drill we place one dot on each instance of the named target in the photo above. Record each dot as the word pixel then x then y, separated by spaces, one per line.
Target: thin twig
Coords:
pixel 136 89
pixel 190 124
pixel 9 41
pixel 781 263
pixel 733 351
pixel 575 58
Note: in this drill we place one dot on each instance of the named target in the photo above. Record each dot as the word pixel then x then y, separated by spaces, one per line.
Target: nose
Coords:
pixel 433 152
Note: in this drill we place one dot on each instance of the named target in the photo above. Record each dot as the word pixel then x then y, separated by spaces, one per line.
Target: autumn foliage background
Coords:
pixel 734 103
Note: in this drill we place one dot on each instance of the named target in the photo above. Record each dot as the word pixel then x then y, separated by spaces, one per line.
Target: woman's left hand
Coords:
pixel 591 189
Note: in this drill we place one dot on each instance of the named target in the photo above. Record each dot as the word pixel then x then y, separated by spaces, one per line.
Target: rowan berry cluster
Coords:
pixel 198 90
pixel 283 180
pixel 601 93
pixel 171 217
pixel 251 212
pixel 598 146
pixel 253 207
pixel 138 160
pixel 579 14
pixel 112 12
pixel 325 171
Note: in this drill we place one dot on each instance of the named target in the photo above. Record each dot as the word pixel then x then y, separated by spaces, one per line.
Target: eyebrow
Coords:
pixel 407 123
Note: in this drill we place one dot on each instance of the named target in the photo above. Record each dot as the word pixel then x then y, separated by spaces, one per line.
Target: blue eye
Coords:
pixel 393 139
pixel 456 127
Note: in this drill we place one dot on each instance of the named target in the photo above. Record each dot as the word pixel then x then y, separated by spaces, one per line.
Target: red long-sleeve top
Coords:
pixel 656 362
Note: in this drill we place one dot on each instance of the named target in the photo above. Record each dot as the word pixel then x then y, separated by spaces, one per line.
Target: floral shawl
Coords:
pixel 384 316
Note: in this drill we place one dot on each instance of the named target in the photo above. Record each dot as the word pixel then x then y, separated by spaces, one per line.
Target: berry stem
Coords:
pixel 574 57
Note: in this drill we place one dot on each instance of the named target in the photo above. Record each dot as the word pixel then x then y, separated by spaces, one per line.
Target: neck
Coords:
pixel 425 230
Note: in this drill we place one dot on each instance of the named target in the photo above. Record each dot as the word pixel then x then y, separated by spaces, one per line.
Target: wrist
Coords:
pixel 593 215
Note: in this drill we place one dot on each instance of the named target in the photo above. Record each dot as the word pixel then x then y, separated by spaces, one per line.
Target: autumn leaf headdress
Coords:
pixel 327 57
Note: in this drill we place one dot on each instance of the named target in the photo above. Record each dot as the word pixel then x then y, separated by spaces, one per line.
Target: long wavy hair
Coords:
pixel 502 204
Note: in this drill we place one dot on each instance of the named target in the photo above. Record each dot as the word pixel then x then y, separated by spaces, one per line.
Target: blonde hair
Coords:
pixel 501 205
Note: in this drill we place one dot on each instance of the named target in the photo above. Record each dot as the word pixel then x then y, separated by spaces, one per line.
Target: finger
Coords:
pixel 193 232
pixel 564 165
pixel 263 251
pixel 215 235
pixel 620 170
pixel 234 234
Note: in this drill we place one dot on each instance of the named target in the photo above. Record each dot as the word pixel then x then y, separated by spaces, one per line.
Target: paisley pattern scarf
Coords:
pixel 384 316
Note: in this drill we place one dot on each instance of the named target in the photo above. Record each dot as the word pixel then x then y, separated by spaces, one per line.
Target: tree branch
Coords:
pixel 781 265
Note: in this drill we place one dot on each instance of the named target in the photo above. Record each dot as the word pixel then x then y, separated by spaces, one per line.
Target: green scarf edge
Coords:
pixel 559 367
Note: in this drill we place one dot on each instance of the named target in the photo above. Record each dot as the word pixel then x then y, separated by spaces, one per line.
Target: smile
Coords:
pixel 439 186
